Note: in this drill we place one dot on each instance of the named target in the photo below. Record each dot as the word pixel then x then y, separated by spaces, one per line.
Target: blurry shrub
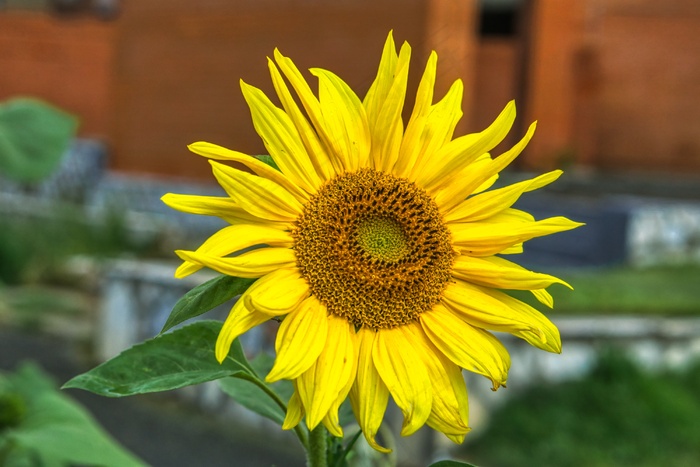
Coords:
pixel 34 136
pixel 33 249
pixel 15 253
pixel 619 415
pixel 39 426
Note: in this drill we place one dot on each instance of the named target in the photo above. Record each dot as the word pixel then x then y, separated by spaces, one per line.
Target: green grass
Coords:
pixel 617 416
pixel 668 290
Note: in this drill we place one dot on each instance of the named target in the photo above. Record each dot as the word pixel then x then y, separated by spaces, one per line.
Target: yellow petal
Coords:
pixel 376 95
pixel 457 439
pixel 452 158
pixel 253 264
pixel 235 238
pixel 310 104
pixel 281 138
pixel 224 208
pixel 546 335
pixel 414 130
pixel 450 410
pixel 321 384
pixel 476 178
pixel 300 339
pixel 513 250
pixel 315 149
pixel 295 411
pixel 282 291
pixel 213 151
pixel 384 103
pixel 481 310
pixel 486 238
pixel 501 274
pixel 239 321
pixel 544 297
pixel 487 204
pixel 258 196
pixel 439 127
pixel 468 347
pixel 344 120
pixel 468 180
pixel 332 419
pixel 510 215
pixel 405 375
pixel 369 395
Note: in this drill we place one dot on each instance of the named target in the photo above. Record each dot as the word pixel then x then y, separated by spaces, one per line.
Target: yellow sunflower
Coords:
pixel 377 245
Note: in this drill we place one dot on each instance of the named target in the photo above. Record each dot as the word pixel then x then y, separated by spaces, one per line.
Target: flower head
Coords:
pixel 377 244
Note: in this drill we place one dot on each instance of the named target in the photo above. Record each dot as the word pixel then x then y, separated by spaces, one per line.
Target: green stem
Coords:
pixel 347 449
pixel 299 429
pixel 316 453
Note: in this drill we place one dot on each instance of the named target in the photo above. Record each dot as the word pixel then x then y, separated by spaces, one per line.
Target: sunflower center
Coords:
pixel 382 238
pixel 374 249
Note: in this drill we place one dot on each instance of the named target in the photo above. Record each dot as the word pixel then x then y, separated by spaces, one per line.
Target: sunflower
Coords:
pixel 377 246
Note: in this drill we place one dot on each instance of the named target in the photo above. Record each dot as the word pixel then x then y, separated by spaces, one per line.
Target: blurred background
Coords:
pixel 86 246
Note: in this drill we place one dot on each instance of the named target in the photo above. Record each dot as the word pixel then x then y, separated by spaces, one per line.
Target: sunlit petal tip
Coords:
pixel 185 269
pixel 457 439
pixel 332 426
pixel 185 255
pixel 496 384
pixel 295 412
pixel 193 146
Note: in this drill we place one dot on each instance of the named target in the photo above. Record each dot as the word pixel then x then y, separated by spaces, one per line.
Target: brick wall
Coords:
pixel 66 62
pixel 615 84
pixel 179 64
pixel 649 101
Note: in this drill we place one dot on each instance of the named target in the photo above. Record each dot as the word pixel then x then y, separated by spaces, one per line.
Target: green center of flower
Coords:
pixel 374 249
pixel 382 238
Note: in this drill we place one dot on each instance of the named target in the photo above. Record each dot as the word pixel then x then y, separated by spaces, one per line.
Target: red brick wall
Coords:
pixel 66 62
pixel 615 84
pixel 179 63
pixel 495 85
pixel 649 102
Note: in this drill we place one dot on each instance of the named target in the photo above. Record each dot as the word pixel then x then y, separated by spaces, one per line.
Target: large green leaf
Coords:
pixel 180 358
pixel 251 396
pixel 206 297
pixel 58 431
pixel 34 137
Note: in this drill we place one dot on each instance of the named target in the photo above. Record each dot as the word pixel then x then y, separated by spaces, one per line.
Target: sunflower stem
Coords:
pixel 316 453
pixel 299 429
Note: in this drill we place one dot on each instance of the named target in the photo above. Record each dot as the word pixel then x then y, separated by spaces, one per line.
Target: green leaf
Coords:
pixel 267 159
pixel 57 430
pixel 34 137
pixel 262 364
pixel 252 397
pixel 206 297
pixel 180 358
pixel 450 464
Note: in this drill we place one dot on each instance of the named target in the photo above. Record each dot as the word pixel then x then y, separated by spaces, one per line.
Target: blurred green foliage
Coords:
pixel 41 426
pixel 664 290
pixel 619 415
pixel 34 137
pixel 33 249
